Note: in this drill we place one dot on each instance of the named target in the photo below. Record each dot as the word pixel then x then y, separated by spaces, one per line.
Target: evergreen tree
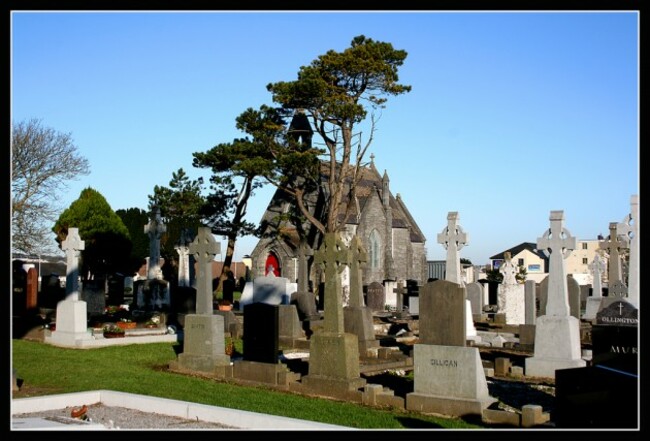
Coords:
pixel 107 241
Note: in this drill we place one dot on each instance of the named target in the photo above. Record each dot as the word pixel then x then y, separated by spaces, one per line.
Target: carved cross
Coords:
pixel 204 248
pixel 597 266
pixel 72 245
pixel 558 244
pixel 400 290
pixel 333 256
pixel 453 239
pixel 154 229
pixel 358 259
pixel 304 251
pixel 612 246
pixel 629 228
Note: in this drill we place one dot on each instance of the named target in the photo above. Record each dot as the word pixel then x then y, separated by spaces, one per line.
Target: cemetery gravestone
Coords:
pixel 71 313
pixel 228 288
pixel 442 309
pixel 204 339
pixel 597 267
pixel 334 354
pixel 448 376
pixel 629 228
pixel 557 333
pixel 357 317
pixel 261 332
pixel 614 337
pixel 376 297
pixel 271 290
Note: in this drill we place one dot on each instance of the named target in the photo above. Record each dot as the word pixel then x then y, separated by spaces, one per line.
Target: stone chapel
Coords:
pixel 392 239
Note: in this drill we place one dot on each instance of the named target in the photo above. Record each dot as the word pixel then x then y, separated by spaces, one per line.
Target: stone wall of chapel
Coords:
pixel 373 217
pixel 401 253
pixel 418 270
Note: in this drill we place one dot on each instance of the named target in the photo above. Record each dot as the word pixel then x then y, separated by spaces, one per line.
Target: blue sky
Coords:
pixel 511 114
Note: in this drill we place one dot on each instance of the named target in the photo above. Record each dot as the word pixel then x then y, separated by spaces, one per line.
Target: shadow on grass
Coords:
pixel 415 423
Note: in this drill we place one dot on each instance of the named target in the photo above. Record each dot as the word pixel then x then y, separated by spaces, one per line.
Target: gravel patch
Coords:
pixel 113 417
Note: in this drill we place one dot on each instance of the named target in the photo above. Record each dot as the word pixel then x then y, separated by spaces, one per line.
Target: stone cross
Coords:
pixel 453 239
pixel 597 266
pixel 509 270
pixel 629 228
pixel 400 290
pixel 333 256
pixel 183 251
pixel 557 243
pixel 204 248
pixel 358 259
pixel 72 245
pixel 154 229
pixel 304 251
pixel 612 246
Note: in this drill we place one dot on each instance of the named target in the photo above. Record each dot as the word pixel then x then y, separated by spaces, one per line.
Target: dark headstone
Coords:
pixel 229 290
pixel 595 397
pixel 116 289
pixel 183 300
pixel 261 332
pixel 51 291
pixel 614 337
pixel 376 297
pixel 93 295
pixel 19 287
pixel 493 292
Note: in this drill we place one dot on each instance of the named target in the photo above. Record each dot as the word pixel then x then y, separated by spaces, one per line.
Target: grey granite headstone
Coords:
pixel 530 290
pixel 475 296
pixel 204 346
pixel 94 297
pixel 204 248
pixel 442 314
pixel 333 353
pixel 375 296
pixel 289 326
pixel 449 380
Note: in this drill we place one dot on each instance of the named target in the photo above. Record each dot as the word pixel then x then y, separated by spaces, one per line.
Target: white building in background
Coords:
pixel 577 264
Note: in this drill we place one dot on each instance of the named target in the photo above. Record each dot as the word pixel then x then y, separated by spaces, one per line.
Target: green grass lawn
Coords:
pixel 142 369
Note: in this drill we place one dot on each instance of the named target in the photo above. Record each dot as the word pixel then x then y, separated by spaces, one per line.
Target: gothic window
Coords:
pixel 375 249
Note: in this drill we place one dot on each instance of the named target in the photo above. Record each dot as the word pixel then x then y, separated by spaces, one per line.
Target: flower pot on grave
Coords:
pixel 126 325
pixel 110 334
